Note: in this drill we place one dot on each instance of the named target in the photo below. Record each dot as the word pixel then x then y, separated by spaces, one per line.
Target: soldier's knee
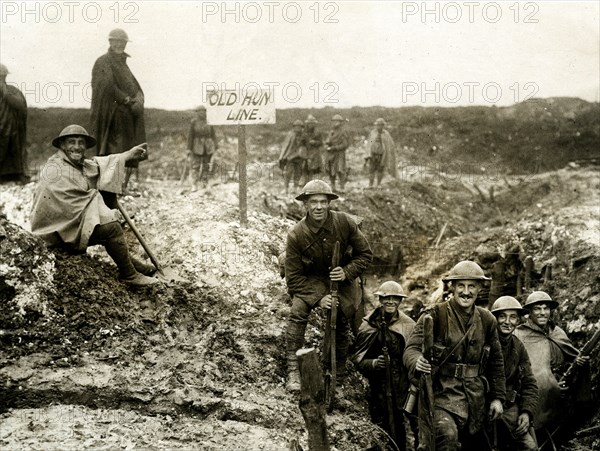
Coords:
pixel 299 311
pixel 446 430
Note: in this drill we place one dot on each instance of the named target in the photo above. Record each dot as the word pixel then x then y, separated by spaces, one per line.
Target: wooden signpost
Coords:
pixel 241 108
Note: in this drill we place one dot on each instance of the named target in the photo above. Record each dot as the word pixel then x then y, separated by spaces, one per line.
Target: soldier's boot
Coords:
pixel 341 354
pixel 371 180
pixel 293 382
pixel 117 249
pixel 143 267
pixel 379 178
pixel 294 336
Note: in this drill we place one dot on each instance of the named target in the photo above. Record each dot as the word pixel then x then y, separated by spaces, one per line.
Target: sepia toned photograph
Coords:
pixel 310 225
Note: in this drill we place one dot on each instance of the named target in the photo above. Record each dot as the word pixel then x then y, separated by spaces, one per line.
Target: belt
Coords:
pixel 459 370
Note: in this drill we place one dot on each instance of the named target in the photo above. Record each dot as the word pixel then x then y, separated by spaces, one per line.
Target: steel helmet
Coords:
pixel 540 297
pixel 379 121
pixel 298 122
pixel 466 270
pixel 316 187
pixel 311 120
pixel 507 303
pixel 4 70
pixel 74 130
pixel 391 288
pixel 118 34
pixel 337 117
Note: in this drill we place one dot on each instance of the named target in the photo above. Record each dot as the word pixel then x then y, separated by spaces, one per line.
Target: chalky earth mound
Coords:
pixel 86 362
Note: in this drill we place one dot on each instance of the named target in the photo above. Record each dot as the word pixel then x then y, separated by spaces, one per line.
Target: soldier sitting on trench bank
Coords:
pixel 69 211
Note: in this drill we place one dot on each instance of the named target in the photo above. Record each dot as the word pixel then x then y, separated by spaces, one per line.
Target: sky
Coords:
pixel 308 53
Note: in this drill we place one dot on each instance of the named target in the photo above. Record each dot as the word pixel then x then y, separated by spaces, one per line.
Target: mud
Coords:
pixel 86 362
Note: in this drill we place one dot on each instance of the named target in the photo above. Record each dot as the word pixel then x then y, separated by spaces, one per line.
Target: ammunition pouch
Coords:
pixel 459 370
pixel 511 397
pixel 437 353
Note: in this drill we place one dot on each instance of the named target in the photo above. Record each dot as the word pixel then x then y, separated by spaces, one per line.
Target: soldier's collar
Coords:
pixel 314 227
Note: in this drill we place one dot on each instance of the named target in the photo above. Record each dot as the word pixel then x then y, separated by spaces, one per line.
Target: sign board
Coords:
pixel 231 107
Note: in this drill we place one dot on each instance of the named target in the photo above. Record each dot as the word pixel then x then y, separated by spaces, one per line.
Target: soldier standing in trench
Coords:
pixel 379 348
pixel 513 428
pixel 467 361
pixel 549 349
pixel 308 272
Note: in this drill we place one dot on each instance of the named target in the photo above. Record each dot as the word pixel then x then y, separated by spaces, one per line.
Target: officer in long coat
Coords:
pixel 117 116
pixel 13 129
pixel 467 358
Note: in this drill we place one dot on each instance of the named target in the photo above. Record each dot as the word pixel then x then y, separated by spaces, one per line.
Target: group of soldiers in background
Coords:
pixel 302 153
pixel 461 377
pixel 305 155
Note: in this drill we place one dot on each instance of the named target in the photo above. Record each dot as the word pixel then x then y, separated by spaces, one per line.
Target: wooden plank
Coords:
pixel 312 399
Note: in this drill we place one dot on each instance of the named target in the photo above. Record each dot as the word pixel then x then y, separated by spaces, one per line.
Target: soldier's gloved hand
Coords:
pixel 582 360
pixel 423 365
pixel 523 424
pixel 326 301
pixel 379 363
pixel 496 409
pixel 337 274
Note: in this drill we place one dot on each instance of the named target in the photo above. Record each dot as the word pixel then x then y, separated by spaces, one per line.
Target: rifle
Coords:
pixel 585 351
pixel 413 391
pixel 426 401
pixel 330 331
pixel 388 381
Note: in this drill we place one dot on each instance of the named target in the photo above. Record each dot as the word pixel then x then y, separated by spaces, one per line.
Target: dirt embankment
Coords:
pixel 87 362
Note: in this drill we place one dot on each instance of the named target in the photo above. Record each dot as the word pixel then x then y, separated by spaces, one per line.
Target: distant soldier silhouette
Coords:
pixel 336 144
pixel 13 128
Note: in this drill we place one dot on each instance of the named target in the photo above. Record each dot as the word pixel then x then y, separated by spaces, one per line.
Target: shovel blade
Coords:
pixel 168 275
